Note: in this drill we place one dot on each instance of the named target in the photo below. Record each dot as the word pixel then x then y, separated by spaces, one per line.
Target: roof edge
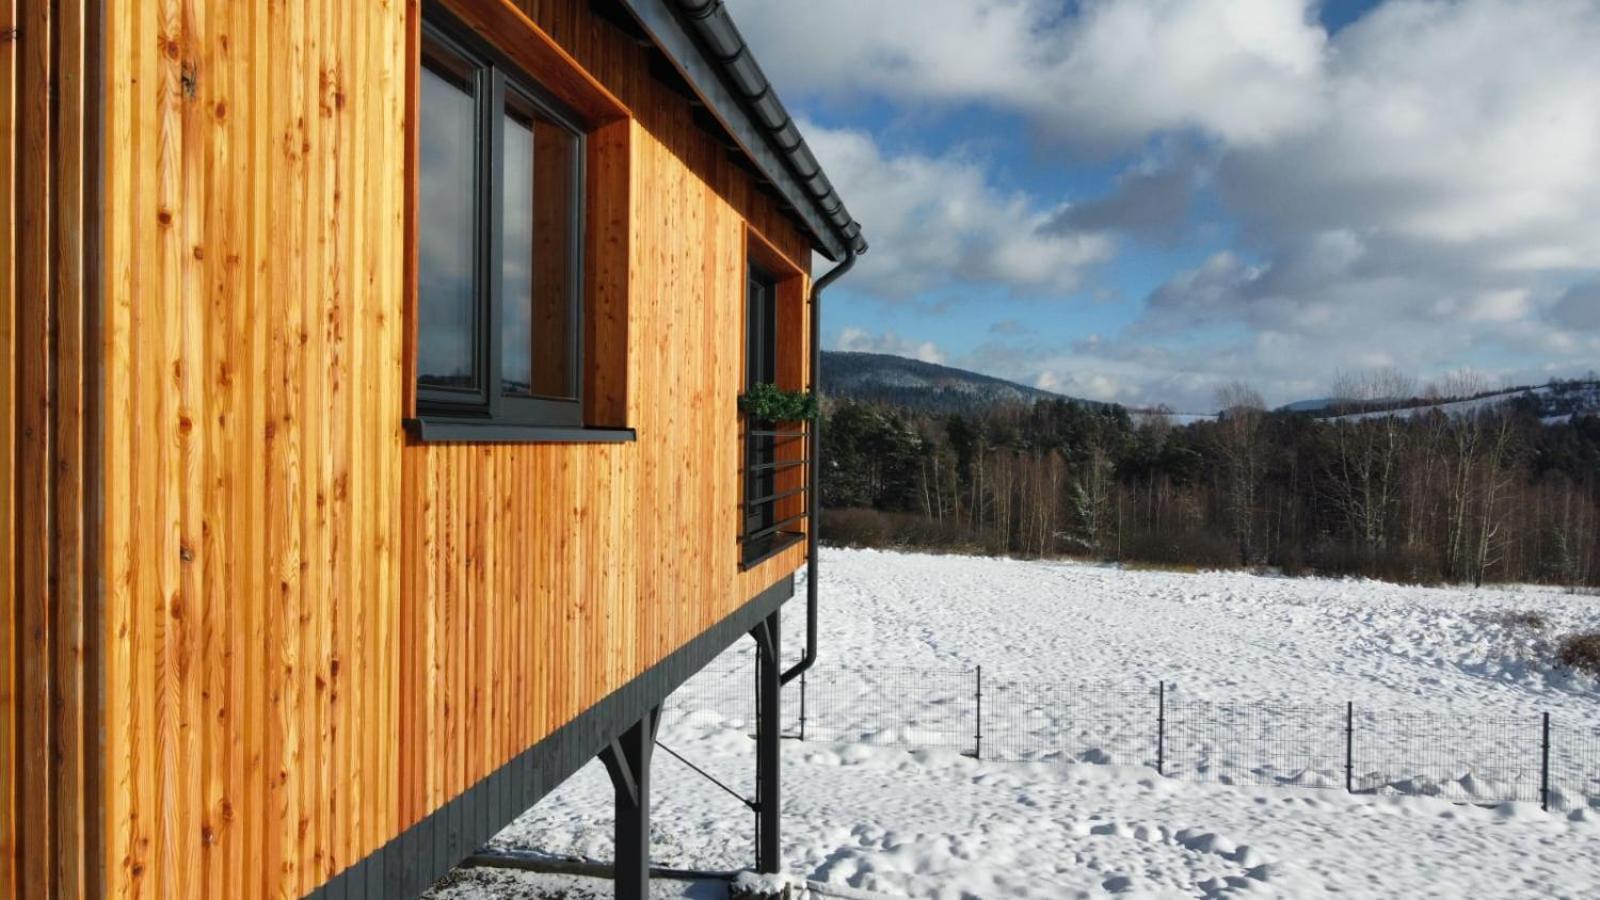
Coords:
pixel 705 45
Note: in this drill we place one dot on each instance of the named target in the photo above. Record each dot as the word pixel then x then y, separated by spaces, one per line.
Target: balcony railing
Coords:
pixel 773 482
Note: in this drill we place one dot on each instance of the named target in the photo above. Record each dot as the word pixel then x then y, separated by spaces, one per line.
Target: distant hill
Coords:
pixel 1308 406
pixel 911 383
pixel 1553 403
pixel 930 387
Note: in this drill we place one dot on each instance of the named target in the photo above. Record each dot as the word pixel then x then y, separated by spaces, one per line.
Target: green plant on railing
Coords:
pixel 770 403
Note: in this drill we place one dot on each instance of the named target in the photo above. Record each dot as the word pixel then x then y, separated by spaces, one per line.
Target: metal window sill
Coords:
pixel 775 545
pixel 456 431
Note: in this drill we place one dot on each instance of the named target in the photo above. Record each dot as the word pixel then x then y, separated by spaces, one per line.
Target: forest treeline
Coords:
pixel 1496 495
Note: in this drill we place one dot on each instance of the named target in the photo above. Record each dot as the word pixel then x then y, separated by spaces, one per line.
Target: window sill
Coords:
pixel 455 431
pixel 767 548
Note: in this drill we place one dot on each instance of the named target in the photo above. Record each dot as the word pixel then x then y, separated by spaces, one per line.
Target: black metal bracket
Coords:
pixel 627 759
pixel 762 635
pixel 619 767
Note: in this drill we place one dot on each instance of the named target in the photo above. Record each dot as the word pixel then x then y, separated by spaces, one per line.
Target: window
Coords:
pixel 499 229
pixel 761 440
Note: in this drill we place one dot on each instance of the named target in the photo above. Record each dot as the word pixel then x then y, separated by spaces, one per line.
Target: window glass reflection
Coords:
pixel 445 334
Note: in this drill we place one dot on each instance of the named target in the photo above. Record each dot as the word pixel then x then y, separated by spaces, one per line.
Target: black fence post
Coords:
pixel 1349 747
pixel 977 736
pixel 1161 730
pixel 1544 767
pixel 802 706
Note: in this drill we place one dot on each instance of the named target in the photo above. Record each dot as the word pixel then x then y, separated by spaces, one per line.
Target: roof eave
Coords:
pixel 701 42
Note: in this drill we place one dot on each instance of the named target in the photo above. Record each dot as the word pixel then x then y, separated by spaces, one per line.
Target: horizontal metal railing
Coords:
pixel 762 532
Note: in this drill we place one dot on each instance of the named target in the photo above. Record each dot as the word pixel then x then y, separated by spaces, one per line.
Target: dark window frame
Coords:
pixel 763 343
pixel 447 40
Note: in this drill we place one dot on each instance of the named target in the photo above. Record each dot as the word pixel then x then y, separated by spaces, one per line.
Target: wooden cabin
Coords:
pixel 372 455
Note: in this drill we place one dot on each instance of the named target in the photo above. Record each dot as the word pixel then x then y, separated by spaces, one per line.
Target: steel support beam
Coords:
pixel 769 726
pixel 627 760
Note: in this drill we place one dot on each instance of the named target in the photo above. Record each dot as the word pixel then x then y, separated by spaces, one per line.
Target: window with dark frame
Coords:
pixel 499 231
pixel 761 444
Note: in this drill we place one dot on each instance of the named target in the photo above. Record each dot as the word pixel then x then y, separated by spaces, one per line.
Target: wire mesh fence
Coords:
pixel 891 706
pixel 1472 759
pixel 1493 759
pixel 1032 721
pixel 1574 776
pixel 1255 743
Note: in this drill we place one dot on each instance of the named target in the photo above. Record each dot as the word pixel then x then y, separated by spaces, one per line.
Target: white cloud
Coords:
pixel 1243 70
pixel 939 221
pixel 1433 215
pixel 861 341
pixel 1420 190
pixel 1456 131
pixel 1133 373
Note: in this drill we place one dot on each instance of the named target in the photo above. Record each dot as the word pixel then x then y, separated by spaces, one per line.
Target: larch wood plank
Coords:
pixel 314 162
pixel 353 713
pixel 34 450
pixel 68 805
pixel 183 30
pixel 232 381
pixel 119 601
pixel 9 736
pixel 215 423
pixel 255 457
pixel 279 875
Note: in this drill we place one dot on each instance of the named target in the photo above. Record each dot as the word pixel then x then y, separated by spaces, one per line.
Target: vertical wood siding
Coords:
pixel 312 632
pixel 252 382
pixel 45 831
pixel 541 578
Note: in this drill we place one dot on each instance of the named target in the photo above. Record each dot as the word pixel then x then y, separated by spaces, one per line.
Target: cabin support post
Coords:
pixel 627 759
pixel 769 725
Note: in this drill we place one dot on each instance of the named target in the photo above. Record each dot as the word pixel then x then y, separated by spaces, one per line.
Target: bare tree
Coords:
pixel 1498 449
pixel 1157 418
pixel 1239 443
pixel 1092 496
pixel 1364 480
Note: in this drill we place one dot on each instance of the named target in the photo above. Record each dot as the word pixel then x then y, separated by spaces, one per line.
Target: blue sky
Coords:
pixel 1144 200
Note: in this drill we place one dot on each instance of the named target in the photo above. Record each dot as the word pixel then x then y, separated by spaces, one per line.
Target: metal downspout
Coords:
pixel 814 453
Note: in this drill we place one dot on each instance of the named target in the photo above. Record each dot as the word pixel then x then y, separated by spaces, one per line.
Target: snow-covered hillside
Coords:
pixel 935 823
pixel 919 385
pixel 1553 403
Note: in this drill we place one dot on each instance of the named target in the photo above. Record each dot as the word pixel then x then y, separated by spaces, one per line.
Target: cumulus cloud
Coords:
pixel 1243 70
pixel 1443 198
pixel 861 341
pixel 1578 308
pixel 1418 190
pixel 938 221
pixel 1462 131
pixel 1137 374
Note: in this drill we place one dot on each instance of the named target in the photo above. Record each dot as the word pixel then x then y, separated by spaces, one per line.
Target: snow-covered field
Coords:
pixel 1091 815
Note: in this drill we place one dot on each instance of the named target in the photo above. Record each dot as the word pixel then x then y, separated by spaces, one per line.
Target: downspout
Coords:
pixel 814 454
